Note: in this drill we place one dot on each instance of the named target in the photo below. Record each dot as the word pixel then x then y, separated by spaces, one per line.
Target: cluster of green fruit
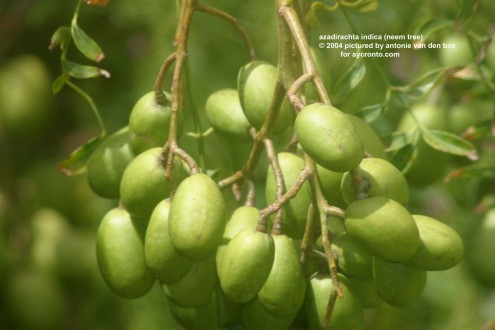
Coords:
pixel 218 270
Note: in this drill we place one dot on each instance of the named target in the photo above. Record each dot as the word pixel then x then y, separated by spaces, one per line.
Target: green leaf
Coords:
pixel 479 131
pixel 372 112
pixel 449 143
pixel 431 26
pixel 362 6
pixel 316 6
pixel 85 44
pixel 403 157
pixel 60 38
pixel 75 164
pixel 399 140
pixel 423 85
pixel 466 9
pixel 349 81
pixel 60 82
pixel 472 171
pixel 80 71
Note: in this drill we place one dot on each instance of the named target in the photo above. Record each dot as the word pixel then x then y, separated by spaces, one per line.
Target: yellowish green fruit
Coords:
pixel 372 144
pixel 383 227
pixel 160 255
pixel 330 186
pixel 197 318
pixel 382 179
pixel 398 285
pixel 458 52
pixel 327 135
pixel 197 217
pixel 367 292
pixel 481 251
pixel 246 264
pixel 256 317
pixel 352 260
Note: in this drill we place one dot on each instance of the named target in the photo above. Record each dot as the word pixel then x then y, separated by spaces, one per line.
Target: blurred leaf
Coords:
pixel 422 86
pixel 403 157
pixel 479 131
pixel 75 164
pixel 399 140
pixel 372 112
pixel 449 143
pixel 472 171
pixel 362 6
pixel 466 9
pixel 349 80
pixel 85 44
pixel 431 26
pixel 311 17
pixel 59 82
pixel 60 38
pixel 469 72
pixel 101 3
pixel 80 71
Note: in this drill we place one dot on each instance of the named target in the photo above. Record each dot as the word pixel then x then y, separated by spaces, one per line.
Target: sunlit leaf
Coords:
pixel 60 38
pixel 450 143
pixel 85 43
pixel 80 71
pixel 349 80
pixel 423 85
pixel 75 164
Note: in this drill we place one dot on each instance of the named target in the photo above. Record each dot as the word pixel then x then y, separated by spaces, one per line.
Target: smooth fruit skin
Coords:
pixel 284 289
pixel 441 247
pixel 295 211
pixel 372 144
pixel 244 217
pixel 108 162
pixel 460 55
pixel 256 85
pixel 144 183
pixel 383 179
pixel 367 292
pixel 197 318
pixel 481 250
pixel 197 217
pixel 120 255
pixel 330 185
pixel 383 227
pixel 149 122
pixel 195 288
pixel 224 113
pixel 347 313
pixel 160 255
pixel 352 260
pixel 246 264
pixel 327 135
pixel 398 285
pixel 256 317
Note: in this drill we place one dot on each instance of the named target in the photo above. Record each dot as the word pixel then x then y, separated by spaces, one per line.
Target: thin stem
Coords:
pixel 279 182
pixel 296 101
pixel 157 86
pixel 307 240
pixel 235 24
pixel 89 99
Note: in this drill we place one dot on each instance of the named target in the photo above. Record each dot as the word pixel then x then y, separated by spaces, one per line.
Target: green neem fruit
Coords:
pixel 441 247
pixel 481 251
pixel 295 211
pixel 256 317
pixel 197 318
pixel 352 260
pixel 224 113
pixel 196 287
pixel 284 289
pixel 458 53
pixel 372 144
pixel 328 136
pixel 256 84
pixel 160 255
pixel 149 122
pixel 347 313
pixel 144 183
pixel 383 227
pixel 382 178
pixel 464 115
pixel 246 264
pixel 330 185
pixel 367 292
pixel 197 217
pixel 120 255
pixel 398 285
pixel 244 217
pixel 108 162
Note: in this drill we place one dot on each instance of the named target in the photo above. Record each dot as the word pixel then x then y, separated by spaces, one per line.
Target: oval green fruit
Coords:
pixel 256 85
pixel 244 217
pixel 197 318
pixel 382 179
pixel 160 255
pixel 481 250
pixel 197 217
pixel 441 247
pixel 347 313
pixel 107 164
pixel 398 285
pixel 284 289
pixel 372 144
pixel 149 121
pixel 367 292
pixel 144 183
pixel 352 260
pixel 330 186
pixel 383 227
pixel 256 317
pixel 459 53
pixel 224 113
pixel 120 255
pixel 246 264
pixel 327 135
pixel 196 287
pixel 295 211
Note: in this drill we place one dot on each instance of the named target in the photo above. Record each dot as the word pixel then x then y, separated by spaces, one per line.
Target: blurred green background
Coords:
pixel 48 273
